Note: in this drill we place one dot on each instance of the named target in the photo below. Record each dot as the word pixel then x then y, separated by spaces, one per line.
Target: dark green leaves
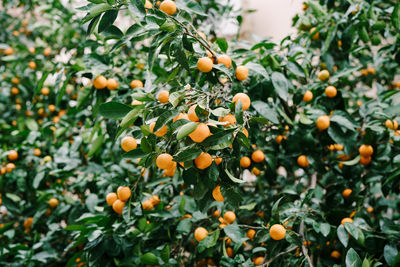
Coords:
pixel 265 110
pixel 281 85
pixel 136 7
pixel 222 44
pixel 108 19
pixel 186 130
pixel 235 233
pixel 186 155
pixel 352 259
pixel 114 110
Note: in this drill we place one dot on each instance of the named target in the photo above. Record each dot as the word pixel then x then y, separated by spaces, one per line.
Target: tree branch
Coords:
pixel 304 249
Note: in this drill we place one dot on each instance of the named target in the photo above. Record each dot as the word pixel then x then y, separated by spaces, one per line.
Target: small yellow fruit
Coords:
pixel 200 233
pixel 244 99
pixel 242 73
pixel 224 59
pixel 124 193
pixel 136 83
pixel 308 96
pixel 128 143
pixel 112 84
pixel 205 64
pixel 53 202
pixel 330 91
pixel 277 232
pixel 323 122
pixel 216 193
pixel 163 96
pixel 100 82
pixel 323 75
pixel 111 198
pixel 168 7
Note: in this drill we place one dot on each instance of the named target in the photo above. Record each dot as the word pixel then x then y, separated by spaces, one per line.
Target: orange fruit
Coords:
pixel 371 70
pixel 112 84
pixel 100 82
pixel 339 43
pixel 365 160
pixel 347 192
pixel 277 232
pixel 155 200
pixel 163 96
pixel 10 167
pixel 224 59
pixel 53 202
pixel 164 161
pixel 258 156
pixel 245 132
pixel 200 133
pixel 393 125
pixel 279 139
pixel 258 260
pixel 37 152
pixel 203 161
pixel 168 7
pixel 15 80
pixel 346 220
pixel 118 206
pixel 147 205
pixel 229 217
pixel 124 193
pixel 32 50
pixel 170 172
pixel 32 65
pixel 323 75
pixel 244 99
pixel 245 162
pixel 205 64
pixel 28 222
pixel 366 150
pixel 315 35
pixel 111 198
pixel 308 96
pixel 9 51
pixel 330 91
pixel 51 108
pixel 217 160
pixel 303 161
pixel 160 132
pixel 255 171
pixel 370 209
pixel 216 193
pixel 192 114
pixel 338 147
pixel 128 143
pixel 12 155
pixel 45 91
pixel 14 91
pixel 136 83
pixel 200 233
pixel 216 213
pixel 47 51
pixel 251 233
pixel 336 254
pixel 148 4
pixel 231 119
pixel 180 117
pixel 323 122
pixel 242 73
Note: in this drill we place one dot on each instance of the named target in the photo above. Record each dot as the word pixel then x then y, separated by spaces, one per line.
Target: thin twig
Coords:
pixel 252 227
pixel 304 249
pixel 278 255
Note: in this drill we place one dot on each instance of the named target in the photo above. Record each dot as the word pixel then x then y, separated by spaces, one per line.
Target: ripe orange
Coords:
pixel 216 193
pixel 10 167
pixel 163 96
pixel 32 50
pixel 336 254
pixel 15 80
pixel 9 51
pixel 366 150
pixel 338 147
pixel 224 59
pixel 47 51
pixel 53 202
pixel 217 160
pixel 100 82
pixel 51 108
pixel 244 99
pixel 32 65
pixel 203 161
pixel 200 133
pixel 242 73
pixel 164 161
pixel 323 122
pixel 160 132
pixel 258 156
pixel 147 205
pixel 111 198
pixel 124 193
pixel 37 152
pixel 370 209
pixel 118 206
pixel 192 114
pixel 45 91
pixel 277 232
pixel 12 155
pixel 347 192
pixel 148 4
pixel 251 233
pixel 346 220
pixel 28 222
pixel 245 132
pixel 308 96
pixel 168 7
pixel 255 171
pixel 315 35
pixel 393 125
pixel 136 83
pixel 303 161
pixel 231 119
pixel 200 233
pixel 155 200
pixel 205 64
pixel 170 172
pixel 229 251
pixel 365 160
pixel 216 213
pixel 128 143
pixel 330 91
pixel 180 117
pixel 112 84
pixel 229 217
pixel 258 260
pixel 245 162
pixel 371 70
pixel 323 75
pixel 279 139
pixel 14 91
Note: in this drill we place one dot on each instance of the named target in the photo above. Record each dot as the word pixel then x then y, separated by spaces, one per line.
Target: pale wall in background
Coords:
pixel 273 18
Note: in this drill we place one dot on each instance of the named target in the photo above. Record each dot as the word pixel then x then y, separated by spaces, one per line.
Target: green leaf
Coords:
pixel 275 211
pixel 343 235
pixel 184 226
pixel 235 180
pixel 165 118
pixel 95 11
pixel 325 228
pixel 149 258
pixel 38 178
pixel 222 44
pixel 108 19
pixel 352 162
pixel 83 95
pixel 168 25
pixel 114 110
pixel 165 253
pixel 218 138
pixel 61 93
pixel 329 38
pixel 396 16
pixel 352 259
pixel 281 85
pixel 40 83
pixel 91 201
pixel 249 206
pixel 257 68
pixel 265 110
pixel 343 121
pixel 175 98
pixel 136 7
pixel 210 240
pixel 188 154
pixel 31 124
pixel 390 253
pixel 186 130
pixel 134 154
pixel 96 145
pixel 235 233
pixel 130 117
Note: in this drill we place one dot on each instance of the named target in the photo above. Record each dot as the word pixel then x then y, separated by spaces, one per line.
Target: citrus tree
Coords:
pixel 166 144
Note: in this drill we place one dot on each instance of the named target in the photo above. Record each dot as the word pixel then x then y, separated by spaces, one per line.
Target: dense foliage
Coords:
pixel 166 144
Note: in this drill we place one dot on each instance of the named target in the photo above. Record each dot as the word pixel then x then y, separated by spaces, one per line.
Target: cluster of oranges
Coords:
pixel 150 203
pixel 257 157
pixel 101 82
pixel 117 200
pixel 12 155
pixel 366 152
